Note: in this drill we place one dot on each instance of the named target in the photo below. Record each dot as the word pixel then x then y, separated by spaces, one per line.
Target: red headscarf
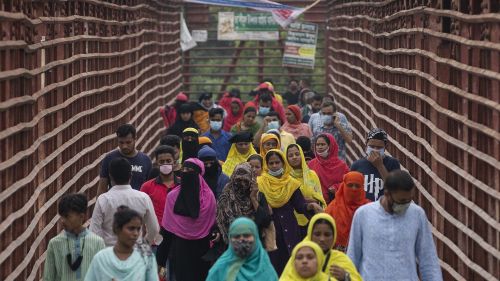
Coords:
pixel 296 111
pixel 347 201
pixel 330 170
pixel 225 101
pixel 297 129
pixel 231 118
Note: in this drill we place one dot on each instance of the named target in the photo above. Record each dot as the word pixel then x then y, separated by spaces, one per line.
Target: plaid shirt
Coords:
pixel 317 129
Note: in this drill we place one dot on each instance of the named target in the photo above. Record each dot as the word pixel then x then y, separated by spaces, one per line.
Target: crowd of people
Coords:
pixel 247 191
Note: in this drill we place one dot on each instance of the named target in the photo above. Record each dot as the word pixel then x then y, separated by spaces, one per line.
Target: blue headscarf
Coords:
pixel 230 267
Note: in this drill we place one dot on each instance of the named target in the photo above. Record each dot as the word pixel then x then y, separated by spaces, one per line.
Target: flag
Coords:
pixel 187 41
pixel 282 14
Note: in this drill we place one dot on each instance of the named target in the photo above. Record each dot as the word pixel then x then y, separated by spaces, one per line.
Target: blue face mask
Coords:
pixel 326 119
pixel 264 110
pixel 273 125
pixel 216 125
pixel 369 150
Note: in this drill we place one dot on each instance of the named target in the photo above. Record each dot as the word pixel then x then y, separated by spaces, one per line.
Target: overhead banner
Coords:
pixel 247 26
pixel 300 45
pixel 282 14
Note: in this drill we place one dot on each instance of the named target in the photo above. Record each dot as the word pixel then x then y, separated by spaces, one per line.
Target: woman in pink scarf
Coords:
pixel 293 124
pixel 187 223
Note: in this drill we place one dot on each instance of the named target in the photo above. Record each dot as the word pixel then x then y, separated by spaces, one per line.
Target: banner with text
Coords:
pixel 283 14
pixel 300 45
pixel 247 26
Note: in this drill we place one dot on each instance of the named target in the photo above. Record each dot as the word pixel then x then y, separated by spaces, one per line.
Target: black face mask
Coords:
pixel 69 259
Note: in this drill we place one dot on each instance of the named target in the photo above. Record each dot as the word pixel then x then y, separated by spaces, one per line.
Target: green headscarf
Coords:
pixel 230 267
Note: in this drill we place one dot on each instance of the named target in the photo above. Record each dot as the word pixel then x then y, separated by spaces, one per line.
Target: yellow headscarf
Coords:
pixel 291 274
pixel 310 184
pixel 265 138
pixel 234 158
pixel 336 257
pixel 278 191
pixel 187 130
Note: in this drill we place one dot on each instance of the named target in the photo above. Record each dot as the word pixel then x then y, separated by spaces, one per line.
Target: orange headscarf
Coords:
pixel 347 201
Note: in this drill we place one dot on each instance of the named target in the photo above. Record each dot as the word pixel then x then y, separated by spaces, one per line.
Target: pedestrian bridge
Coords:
pixel 427 71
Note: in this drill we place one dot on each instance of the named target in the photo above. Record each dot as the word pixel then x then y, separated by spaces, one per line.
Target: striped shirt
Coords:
pixel 57 269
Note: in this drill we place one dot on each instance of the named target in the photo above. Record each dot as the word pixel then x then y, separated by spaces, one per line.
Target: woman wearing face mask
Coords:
pixel 322 230
pixel 125 261
pixel 310 185
pixel 305 264
pixel 283 195
pixel 245 259
pixel 214 176
pixel 241 197
pixel 268 142
pixel 349 197
pixel 241 149
pixel 187 223
pixel 184 119
pixel 327 165
pixel 248 123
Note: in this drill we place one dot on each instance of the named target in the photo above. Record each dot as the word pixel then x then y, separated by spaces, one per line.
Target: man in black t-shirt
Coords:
pixel 140 162
pixel 376 165
pixel 292 95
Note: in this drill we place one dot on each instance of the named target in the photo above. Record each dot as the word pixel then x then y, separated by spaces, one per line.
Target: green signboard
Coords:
pixel 247 26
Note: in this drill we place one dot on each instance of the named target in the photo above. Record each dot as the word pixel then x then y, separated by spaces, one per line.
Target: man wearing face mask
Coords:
pixel 329 120
pixel 273 122
pixel 158 188
pixel 219 137
pixel 265 102
pixel 405 229
pixel 376 165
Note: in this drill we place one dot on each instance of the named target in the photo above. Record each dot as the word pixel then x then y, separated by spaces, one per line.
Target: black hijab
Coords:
pixel 180 125
pixel 190 148
pixel 188 201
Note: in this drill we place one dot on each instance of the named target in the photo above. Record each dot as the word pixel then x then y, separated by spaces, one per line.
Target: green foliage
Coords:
pixel 246 74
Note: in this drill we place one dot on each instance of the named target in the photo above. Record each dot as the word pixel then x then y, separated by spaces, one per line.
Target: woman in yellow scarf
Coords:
pixel 305 264
pixel 310 184
pixel 240 150
pixel 322 230
pixel 268 142
pixel 283 195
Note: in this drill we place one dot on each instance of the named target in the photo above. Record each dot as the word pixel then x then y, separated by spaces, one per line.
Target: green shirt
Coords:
pixel 56 267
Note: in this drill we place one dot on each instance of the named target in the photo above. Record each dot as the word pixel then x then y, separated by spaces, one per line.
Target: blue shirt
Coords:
pixel 141 166
pixel 318 128
pixel 221 145
pixel 374 184
pixel 386 246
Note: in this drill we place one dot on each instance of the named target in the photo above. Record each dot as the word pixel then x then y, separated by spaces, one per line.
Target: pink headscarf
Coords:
pixel 187 227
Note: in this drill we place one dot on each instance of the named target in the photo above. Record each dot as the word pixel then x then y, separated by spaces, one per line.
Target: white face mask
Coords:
pixel 369 150
pixel 400 209
pixel 324 154
pixel 216 125
pixel 276 173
